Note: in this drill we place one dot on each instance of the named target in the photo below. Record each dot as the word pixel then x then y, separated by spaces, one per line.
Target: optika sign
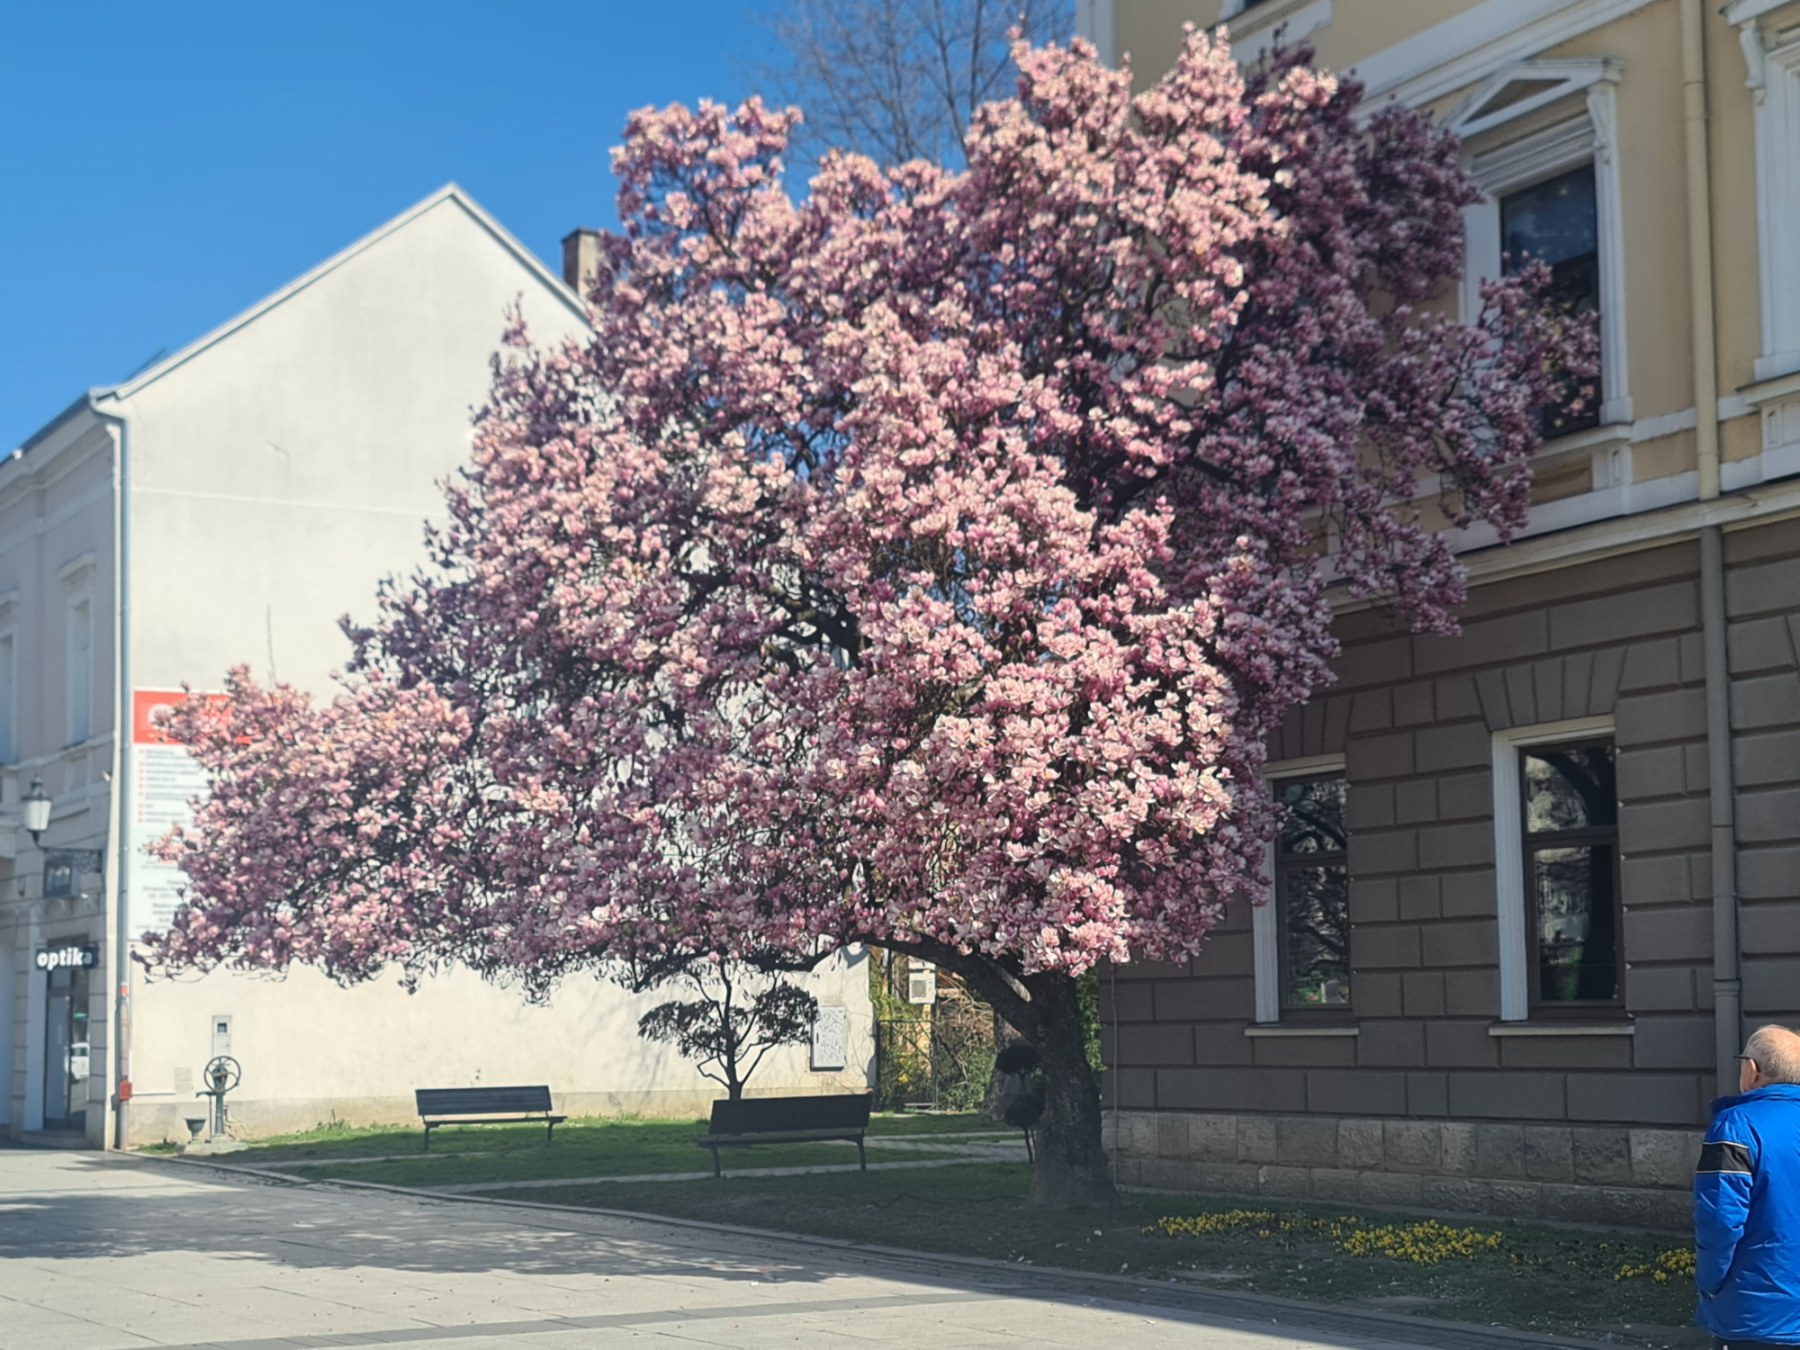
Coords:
pixel 68 958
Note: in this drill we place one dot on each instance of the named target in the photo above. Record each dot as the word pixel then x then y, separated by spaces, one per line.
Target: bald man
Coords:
pixel 1747 1202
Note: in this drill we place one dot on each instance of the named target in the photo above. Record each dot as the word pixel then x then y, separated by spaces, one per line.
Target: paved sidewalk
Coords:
pixel 106 1253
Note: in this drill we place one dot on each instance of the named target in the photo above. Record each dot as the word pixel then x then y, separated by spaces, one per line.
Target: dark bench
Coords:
pixel 788 1120
pixel 485 1106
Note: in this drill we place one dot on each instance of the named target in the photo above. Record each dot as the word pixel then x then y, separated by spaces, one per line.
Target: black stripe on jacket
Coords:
pixel 1732 1158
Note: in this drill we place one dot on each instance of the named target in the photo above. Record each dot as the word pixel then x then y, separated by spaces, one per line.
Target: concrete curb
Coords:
pixel 235 1169
pixel 1295 1314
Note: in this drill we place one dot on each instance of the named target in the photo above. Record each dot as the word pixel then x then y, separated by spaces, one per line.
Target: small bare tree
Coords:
pixel 729 1029
pixel 901 79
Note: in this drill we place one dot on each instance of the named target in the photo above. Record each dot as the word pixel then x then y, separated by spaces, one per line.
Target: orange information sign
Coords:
pixel 146 703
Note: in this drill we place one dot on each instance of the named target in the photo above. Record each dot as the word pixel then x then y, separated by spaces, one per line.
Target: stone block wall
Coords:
pixel 1636 1176
pixel 1414 720
pixel 1762 597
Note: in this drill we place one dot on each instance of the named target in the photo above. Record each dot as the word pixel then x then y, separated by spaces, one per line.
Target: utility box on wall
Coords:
pixel 921 981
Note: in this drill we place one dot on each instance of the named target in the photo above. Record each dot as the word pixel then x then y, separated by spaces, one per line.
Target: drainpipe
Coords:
pixel 1721 784
pixel 120 832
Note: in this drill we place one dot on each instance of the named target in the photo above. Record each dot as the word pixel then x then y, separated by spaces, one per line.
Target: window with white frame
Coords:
pixel 80 670
pixel 1554 222
pixel 1556 850
pixel 1552 194
pixel 1302 934
pixel 1772 58
pixel 9 677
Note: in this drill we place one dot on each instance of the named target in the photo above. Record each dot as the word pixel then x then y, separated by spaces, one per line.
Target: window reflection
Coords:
pixel 1312 886
pixel 1557 223
pixel 1571 858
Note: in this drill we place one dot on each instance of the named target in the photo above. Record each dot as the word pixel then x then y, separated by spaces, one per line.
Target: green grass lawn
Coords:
pixel 585 1147
pixel 1535 1277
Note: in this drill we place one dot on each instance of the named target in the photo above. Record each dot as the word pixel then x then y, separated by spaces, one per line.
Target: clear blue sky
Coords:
pixel 166 163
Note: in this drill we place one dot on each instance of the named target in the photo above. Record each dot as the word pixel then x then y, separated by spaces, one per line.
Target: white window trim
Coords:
pixel 1509 851
pixel 70 605
pixel 1454 54
pixel 9 705
pixel 1772 63
pixel 75 572
pixel 1097 21
pixel 1589 137
pixel 1265 937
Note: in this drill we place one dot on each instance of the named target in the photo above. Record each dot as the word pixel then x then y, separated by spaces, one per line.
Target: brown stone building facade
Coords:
pixel 1541 877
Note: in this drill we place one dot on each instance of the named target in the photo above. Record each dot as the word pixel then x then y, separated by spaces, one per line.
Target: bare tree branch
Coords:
pixel 900 79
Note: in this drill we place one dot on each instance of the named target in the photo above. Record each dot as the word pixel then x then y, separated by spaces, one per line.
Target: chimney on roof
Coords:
pixel 581 259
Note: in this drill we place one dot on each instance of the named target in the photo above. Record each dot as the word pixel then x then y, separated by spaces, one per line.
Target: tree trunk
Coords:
pixel 1072 1168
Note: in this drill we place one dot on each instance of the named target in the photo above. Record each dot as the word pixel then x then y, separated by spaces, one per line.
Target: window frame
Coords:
pixel 1514 905
pixel 78 731
pixel 1529 844
pixel 1772 66
pixel 9 694
pixel 1502 165
pixel 1268 935
pixel 1589 417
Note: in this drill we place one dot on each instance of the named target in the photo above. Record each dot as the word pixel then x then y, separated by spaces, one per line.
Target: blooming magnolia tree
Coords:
pixel 923 564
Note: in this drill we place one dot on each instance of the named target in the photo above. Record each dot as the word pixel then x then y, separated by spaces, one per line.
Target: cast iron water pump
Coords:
pixel 222 1075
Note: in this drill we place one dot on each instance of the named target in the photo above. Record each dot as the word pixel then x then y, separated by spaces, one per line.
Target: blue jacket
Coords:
pixel 1747 1217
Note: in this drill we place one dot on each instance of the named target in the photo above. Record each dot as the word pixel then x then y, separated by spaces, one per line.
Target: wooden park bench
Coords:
pixel 788 1120
pixel 485 1106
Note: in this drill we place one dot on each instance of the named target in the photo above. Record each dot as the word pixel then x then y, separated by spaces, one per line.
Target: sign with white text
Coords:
pixel 165 781
pixel 74 956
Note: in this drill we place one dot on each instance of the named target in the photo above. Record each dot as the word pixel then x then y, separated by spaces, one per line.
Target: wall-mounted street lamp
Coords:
pixel 37 811
pixel 36 804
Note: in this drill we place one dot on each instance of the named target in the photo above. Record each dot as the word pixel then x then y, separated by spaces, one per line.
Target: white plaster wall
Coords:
pixel 275 478
pixel 56 505
pixel 277 475
pixel 56 545
pixel 311 1051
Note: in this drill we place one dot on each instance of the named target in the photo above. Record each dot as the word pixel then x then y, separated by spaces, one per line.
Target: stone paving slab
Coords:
pixel 99 1252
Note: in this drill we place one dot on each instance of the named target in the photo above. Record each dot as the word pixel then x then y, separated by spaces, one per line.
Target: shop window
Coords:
pixel 1557 850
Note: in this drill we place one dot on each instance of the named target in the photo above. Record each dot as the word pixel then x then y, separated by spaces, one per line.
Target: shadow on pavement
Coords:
pixel 99 1206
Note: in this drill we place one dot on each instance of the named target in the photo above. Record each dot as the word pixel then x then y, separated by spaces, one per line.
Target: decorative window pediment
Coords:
pixel 77 573
pixel 1524 87
pixel 1521 157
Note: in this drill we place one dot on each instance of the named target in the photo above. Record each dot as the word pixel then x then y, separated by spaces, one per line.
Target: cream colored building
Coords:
pixel 1517 1013
pixel 227 505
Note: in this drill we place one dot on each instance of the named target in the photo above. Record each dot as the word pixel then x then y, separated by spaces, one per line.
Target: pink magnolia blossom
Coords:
pixel 922 563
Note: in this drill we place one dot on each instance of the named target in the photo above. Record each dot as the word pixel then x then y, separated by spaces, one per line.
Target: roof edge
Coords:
pixel 450 192
pixel 82 403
